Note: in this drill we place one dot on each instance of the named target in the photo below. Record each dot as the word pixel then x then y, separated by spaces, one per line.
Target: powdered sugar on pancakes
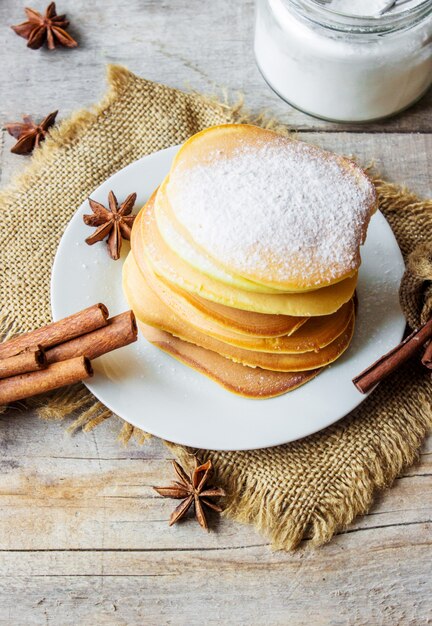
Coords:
pixel 277 210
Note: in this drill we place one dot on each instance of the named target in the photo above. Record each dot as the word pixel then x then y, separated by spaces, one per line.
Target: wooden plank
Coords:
pixel 368 579
pixel 22 434
pixel 401 158
pixel 181 43
pixel 97 502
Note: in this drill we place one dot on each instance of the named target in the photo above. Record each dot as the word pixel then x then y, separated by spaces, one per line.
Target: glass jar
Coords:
pixel 344 68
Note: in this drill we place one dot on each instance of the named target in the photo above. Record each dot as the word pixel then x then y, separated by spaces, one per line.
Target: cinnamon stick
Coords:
pixel 75 325
pixel 120 331
pixel 427 356
pixel 55 376
pixel 26 361
pixel 393 359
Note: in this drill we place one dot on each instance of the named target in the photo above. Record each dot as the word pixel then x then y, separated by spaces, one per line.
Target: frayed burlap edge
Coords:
pixel 416 285
pixel 63 404
pixel 118 78
pixel 339 501
pixel 245 503
pixel 387 456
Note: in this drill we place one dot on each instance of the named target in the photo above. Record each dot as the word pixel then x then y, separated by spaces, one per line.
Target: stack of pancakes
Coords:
pixel 244 261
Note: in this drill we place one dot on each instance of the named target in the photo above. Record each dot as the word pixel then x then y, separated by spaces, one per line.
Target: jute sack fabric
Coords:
pixel 311 488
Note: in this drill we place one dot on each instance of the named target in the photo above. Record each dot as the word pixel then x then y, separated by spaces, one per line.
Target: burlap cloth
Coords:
pixel 310 488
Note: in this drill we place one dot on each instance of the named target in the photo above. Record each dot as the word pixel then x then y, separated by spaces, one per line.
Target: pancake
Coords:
pixel 148 244
pixel 278 212
pixel 316 333
pixel 150 310
pixel 245 381
pixel 177 238
pixel 243 322
pixel 224 320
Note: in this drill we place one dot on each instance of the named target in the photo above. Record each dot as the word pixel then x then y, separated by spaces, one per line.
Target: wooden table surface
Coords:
pixel 83 538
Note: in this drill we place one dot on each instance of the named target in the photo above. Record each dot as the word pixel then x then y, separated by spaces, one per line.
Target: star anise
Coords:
pixel 114 223
pixel 29 134
pixel 192 490
pixel 48 28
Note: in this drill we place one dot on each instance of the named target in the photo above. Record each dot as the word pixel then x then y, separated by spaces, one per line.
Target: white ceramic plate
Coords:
pixel 153 391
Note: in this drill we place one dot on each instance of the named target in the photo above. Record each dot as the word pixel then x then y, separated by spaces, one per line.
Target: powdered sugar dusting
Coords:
pixel 191 255
pixel 283 210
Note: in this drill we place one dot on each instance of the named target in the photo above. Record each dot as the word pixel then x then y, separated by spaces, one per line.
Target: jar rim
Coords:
pixel 320 14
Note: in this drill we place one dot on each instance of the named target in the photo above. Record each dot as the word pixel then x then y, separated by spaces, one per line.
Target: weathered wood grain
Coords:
pixel 83 538
pixel 102 494
pixel 340 584
pixel 97 503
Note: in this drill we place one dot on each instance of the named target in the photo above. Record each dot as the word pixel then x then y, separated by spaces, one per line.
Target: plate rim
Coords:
pixel 171 151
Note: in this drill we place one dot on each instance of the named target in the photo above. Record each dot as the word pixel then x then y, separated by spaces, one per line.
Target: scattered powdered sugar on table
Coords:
pixel 284 209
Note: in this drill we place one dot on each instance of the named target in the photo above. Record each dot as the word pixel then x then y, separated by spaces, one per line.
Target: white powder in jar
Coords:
pixel 368 7
pixel 336 73
pixel 358 7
